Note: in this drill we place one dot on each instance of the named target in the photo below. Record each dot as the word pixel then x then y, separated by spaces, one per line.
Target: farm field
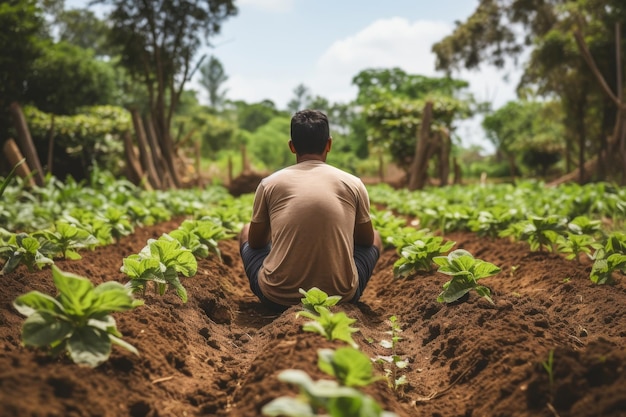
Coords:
pixel 219 354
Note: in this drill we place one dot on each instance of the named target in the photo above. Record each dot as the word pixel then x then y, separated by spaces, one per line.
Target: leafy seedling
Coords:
pixel 22 249
pixel 394 360
pixel 315 297
pixel 78 319
pixel 67 238
pixel 333 326
pixel 420 254
pixel 323 396
pixel 465 271
pixel 609 259
pixel 350 366
pixel 160 262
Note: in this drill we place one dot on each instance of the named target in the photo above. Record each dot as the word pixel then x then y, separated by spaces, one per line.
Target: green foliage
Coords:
pixel 22 249
pixel 333 326
pixel 92 137
pixel 542 232
pixel 67 77
pixel 78 320
pixel 21 23
pixel 323 395
pixel 209 231
pixel 315 298
pixel 67 238
pixel 350 366
pixel 420 254
pixel 160 262
pixel 609 259
pixel 269 144
pixel 573 245
pixel 465 271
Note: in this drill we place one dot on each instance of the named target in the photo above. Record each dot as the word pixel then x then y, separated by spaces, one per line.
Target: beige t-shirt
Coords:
pixel 312 209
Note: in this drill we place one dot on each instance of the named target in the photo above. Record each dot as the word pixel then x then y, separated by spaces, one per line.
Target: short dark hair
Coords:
pixel 309 132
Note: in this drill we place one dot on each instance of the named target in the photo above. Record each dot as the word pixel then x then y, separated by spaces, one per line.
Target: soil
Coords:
pixel 219 354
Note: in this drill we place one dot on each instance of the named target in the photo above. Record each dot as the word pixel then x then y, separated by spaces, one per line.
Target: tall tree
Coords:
pixel 556 66
pixel 158 41
pixel 21 24
pixel 213 78
pixel 81 27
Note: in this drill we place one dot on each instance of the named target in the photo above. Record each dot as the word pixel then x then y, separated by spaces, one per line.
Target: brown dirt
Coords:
pixel 219 354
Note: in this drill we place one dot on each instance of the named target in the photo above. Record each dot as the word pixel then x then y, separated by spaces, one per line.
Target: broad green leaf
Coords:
pixel 41 329
pixel 76 292
pixel 457 288
pixel 112 296
pixel 89 346
pixel 35 301
pixel 350 366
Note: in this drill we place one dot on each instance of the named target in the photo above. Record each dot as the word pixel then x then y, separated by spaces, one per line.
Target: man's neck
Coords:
pixel 310 157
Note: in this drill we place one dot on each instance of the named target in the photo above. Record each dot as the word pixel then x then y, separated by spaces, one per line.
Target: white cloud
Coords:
pixel 268 5
pixel 387 43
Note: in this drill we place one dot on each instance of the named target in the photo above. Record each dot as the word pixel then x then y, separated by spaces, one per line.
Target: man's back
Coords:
pixel 312 208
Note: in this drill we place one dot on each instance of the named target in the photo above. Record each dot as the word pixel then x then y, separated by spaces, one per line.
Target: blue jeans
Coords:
pixel 365 258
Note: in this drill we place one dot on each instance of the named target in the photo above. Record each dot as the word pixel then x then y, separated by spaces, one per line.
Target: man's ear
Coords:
pixel 329 144
pixel 291 147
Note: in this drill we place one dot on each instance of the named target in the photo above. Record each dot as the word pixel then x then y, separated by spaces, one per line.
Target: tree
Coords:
pixel 301 99
pixel 393 103
pixel 21 26
pixel 81 27
pixel 530 129
pixel 556 65
pixel 67 77
pixel 251 116
pixel 158 41
pixel 213 78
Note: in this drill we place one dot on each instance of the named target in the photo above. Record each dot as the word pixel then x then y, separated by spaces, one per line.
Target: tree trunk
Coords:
pixel 158 160
pixel 14 156
pixel 444 161
pixel 26 142
pixel 419 167
pixel 134 172
pixel 147 161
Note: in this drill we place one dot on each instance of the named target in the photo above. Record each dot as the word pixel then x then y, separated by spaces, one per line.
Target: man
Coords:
pixel 310 225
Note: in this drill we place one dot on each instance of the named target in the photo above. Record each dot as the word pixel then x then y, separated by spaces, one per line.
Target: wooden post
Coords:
pixel 157 157
pixel 133 166
pixel 26 142
pixel 230 170
pixel 198 161
pixel 14 156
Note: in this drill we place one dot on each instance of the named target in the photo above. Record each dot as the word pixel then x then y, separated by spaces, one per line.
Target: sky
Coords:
pixel 272 46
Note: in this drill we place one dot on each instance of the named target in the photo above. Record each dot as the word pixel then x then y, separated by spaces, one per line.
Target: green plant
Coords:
pixel 609 259
pixel 209 232
pixel 78 320
pixel 160 262
pixel 576 244
pixel 322 396
pixel 542 232
pixel 396 362
pixel 465 271
pixel 26 250
pixel 66 238
pixel 350 366
pixel 333 326
pixel 315 297
pixel 420 254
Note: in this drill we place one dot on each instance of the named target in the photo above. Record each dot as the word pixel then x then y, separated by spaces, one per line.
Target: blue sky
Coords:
pixel 271 46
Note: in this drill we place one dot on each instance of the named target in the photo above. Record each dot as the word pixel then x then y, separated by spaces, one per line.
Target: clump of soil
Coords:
pixel 220 353
pixel 245 183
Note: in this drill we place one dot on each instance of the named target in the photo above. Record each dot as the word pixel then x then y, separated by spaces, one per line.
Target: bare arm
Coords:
pixel 364 234
pixel 258 235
